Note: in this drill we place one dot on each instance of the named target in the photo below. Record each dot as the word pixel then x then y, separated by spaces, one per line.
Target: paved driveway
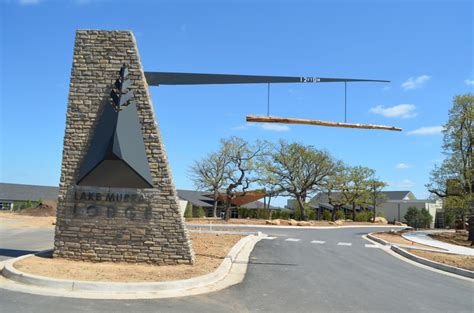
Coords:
pixel 332 270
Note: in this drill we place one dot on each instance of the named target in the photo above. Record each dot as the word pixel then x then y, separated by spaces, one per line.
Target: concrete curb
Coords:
pixel 443 267
pixel 89 289
pixel 434 264
pixel 378 240
pixel 227 226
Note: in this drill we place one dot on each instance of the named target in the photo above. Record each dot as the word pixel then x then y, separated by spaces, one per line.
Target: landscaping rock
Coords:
pixel 304 223
pixel 397 223
pixel 339 222
pixel 379 220
pixel 292 222
pixel 272 222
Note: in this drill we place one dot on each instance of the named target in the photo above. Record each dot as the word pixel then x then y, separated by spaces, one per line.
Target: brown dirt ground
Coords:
pixel 396 238
pixel 14 220
pixel 457 238
pixel 210 249
pixel 242 221
pixel 462 261
pixel 43 209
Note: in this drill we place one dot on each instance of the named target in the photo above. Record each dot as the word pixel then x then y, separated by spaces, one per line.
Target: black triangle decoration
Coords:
pixel 117 156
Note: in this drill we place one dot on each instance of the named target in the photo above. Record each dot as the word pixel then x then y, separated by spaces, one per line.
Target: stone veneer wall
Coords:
pixel 145 225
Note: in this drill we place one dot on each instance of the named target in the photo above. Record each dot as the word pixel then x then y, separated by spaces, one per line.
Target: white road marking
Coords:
pixel 269 238
pixel 318 242
pixel 292 239
pixel 344 244
pixel 371 246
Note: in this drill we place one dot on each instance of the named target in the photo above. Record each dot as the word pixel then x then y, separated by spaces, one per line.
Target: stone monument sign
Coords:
pixel 117 200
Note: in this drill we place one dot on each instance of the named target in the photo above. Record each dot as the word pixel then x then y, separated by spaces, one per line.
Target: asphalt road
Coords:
pixel 300 270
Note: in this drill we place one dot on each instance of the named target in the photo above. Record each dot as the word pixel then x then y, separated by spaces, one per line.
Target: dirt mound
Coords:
pixel 42 209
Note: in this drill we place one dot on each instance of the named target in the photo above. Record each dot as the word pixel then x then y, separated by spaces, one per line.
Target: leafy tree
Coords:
pixel 418 218
pixel 425 218
pixel 208 174
pixel 355 186
pixel 374 195
pixel 332 186
pixel 457 169
pixel 299 170
pixel 412 216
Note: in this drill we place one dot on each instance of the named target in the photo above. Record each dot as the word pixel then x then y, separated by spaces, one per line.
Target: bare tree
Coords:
pixel 299 170
pixel 238 174
pixel 208 174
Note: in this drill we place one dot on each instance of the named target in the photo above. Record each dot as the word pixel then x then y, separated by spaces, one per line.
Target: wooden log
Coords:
pixel 286 120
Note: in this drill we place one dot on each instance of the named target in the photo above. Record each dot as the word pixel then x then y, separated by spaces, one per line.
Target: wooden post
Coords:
pixel 285 120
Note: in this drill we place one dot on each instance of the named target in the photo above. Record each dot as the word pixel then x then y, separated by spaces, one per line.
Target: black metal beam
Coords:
pixel 170 78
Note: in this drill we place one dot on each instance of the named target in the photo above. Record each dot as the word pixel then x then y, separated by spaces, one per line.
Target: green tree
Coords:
pixel 412 217
pixel 355 186
pixel 299 170
pixel 188 212
pixel 373 195
pixel 457 170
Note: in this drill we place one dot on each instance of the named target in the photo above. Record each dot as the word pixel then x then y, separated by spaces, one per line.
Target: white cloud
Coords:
pixel 28 2
pixel 415 82
pixel 423 131
pixel 265 126
pixel 402 166
pixel 401 110
pixel 469 82
pixel 404 183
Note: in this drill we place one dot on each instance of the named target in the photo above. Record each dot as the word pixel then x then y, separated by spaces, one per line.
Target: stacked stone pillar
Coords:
pixel 115 224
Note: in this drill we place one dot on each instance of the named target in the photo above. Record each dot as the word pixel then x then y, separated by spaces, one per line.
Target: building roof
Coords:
pixel 197 198
pixel 258 205
pixel 20 192
pixel 204 199
pixel 390 196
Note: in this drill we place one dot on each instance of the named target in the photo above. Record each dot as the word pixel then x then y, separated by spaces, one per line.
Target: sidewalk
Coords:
pixel 422 237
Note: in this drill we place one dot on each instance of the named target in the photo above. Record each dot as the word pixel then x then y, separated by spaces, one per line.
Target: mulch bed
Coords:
pixel 457 238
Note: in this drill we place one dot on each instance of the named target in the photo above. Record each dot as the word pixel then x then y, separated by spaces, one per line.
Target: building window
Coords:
pixel 6 205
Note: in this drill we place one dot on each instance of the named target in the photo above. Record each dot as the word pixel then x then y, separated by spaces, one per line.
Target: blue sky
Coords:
pixel 424 47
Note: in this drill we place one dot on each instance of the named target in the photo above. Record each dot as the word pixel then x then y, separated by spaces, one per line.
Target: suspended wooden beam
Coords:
pixel 285 120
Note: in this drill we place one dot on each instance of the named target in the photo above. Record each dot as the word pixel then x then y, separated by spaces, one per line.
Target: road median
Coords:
pixel 231 271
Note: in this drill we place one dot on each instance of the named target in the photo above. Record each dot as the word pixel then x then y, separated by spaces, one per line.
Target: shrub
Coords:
pixel 284 215
pixel 340 215
pixel 425 218
pixel 311 215
pixel 263 214
pixel 243 212
pixel 307 212
pixel 363 216
pixel 449 218
pixel 326 215
pixel 199 212
pixel 412 216
pixel 188 212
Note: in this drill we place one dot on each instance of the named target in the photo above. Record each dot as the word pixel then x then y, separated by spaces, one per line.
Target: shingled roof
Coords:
pixel 20 192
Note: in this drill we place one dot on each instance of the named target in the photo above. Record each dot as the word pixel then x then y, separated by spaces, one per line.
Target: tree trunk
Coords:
pixel 333 216
pixel 319 214
pixel 228 210
pixel 301 205
pixel 214 209
pixel 353 212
